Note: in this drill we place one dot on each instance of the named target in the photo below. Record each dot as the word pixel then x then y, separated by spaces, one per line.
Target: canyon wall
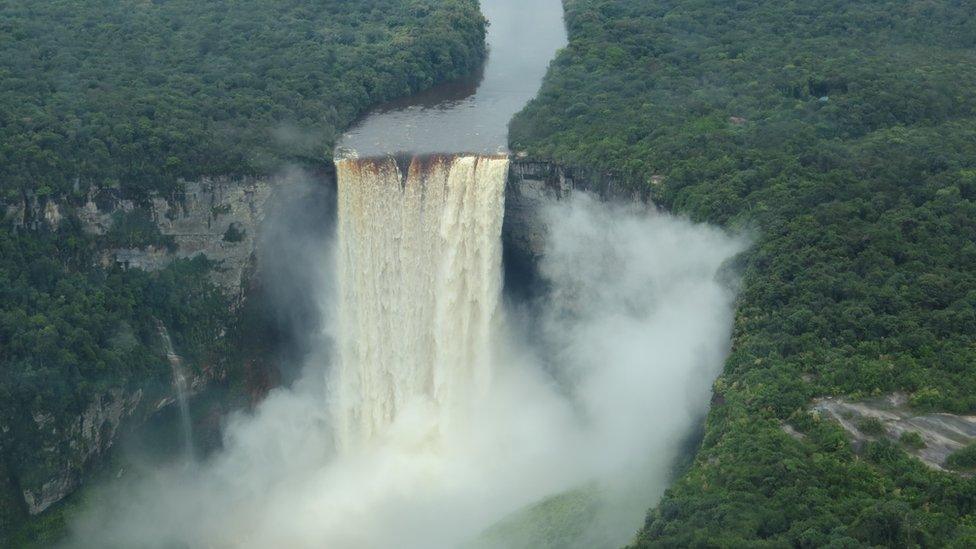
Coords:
pixel 220 218
pixel 216 217
pixel 530 185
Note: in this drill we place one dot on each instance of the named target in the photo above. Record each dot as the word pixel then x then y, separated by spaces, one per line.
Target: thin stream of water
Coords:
pixel 180 389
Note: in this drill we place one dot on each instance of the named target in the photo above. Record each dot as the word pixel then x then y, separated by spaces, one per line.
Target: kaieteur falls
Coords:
pixel 439 410
pixel 419 264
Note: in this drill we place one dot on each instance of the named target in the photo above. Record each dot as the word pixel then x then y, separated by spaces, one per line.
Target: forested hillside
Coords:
pixel 842 136
pixel 138 94
pixel 132 98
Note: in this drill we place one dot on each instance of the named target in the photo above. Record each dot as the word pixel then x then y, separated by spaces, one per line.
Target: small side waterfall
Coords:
pixel 419 271
pixel 180 388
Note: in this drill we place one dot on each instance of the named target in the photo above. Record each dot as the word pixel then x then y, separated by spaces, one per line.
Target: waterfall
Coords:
pixel 419 268
pixel 180 388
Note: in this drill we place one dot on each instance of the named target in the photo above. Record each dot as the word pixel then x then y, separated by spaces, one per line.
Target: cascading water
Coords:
pixel 180 388
pixel 419 270
pixel 439 423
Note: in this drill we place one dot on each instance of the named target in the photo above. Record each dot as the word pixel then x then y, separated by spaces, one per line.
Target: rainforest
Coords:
pixel 496 274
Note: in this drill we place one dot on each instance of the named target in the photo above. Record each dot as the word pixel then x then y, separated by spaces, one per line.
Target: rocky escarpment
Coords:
pixel 83 437
pixel 216 217
pixel 46 452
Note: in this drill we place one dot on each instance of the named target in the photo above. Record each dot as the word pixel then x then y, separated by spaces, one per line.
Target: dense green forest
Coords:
pixel 842 136
pixel 136 96
pixel 70 332
pixel 139 94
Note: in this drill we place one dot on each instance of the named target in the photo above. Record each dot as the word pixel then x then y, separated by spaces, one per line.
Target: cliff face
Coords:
pixel 68 444
pixel 223 220
pixel 45 453
pixel 531 184
pixel 219 218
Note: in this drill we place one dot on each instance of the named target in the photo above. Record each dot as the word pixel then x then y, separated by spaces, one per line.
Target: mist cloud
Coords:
pixel 633 334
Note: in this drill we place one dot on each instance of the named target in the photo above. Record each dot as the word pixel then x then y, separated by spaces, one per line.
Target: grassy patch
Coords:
pixel 912 439
pixel 963 459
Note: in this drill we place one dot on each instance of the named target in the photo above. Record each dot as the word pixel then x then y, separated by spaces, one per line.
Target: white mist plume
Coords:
pixel 633 336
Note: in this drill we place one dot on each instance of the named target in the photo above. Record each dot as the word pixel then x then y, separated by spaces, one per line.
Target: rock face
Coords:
pixel 84 437
pixel 216 217
pixel 220 218
pixel 943 434
pixel 57 443
pixel 531 184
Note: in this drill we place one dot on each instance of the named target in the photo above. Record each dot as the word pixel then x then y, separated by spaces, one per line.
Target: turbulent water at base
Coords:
pixel 419 276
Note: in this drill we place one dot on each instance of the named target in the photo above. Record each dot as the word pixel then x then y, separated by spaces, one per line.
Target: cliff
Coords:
pixel 47 450
pixel 532 183
pixel 216 217
pixel 222 219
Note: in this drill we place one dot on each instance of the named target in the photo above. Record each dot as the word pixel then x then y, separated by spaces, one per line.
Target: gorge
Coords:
pixel 446 400
pixel 487 274
pixel 411 438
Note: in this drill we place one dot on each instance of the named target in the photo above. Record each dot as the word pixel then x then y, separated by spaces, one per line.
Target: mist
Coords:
pixel 614 378
pixel 294 253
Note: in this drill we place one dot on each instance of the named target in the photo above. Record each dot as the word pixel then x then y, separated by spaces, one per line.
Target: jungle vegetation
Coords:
pixel 134 97
pixel 140 94
pixel 840 135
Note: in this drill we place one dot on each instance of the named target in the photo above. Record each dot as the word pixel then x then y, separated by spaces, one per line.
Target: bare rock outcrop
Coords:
pixel 942 433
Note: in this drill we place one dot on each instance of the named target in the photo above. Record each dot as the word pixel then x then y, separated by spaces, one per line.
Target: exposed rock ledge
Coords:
pixel 216 217
pixel 943 433
pixel 198 222
pixel 87 436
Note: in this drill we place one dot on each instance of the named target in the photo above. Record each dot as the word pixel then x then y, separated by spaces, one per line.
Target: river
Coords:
pixel 471 115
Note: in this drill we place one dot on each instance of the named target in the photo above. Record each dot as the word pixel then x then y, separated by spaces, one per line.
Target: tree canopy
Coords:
pixel 136 96
pixel 840 134
pixel 140 94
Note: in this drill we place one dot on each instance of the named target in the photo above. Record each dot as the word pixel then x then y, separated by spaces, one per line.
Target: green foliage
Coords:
pixel 135 229
pixel 234 233
pixel 562 521
pixel 963 459
pixel 139 94
pixel 841 135
pixel 912 439
pixel 67 329
pixel 871 426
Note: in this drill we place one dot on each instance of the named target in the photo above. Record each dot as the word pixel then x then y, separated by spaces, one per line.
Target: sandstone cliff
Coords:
pixel 219 218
